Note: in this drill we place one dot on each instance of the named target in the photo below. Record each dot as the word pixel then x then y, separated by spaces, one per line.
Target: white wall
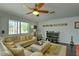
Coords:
pixel 65 31
pixel 4 22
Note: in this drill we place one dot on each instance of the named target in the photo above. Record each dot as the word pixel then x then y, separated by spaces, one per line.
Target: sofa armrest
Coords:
pixel 7 51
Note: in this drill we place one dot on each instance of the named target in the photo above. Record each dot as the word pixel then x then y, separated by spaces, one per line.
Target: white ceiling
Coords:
pixel 62 10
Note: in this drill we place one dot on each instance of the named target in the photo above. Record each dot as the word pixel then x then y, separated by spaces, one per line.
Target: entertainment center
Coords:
pixel 52 36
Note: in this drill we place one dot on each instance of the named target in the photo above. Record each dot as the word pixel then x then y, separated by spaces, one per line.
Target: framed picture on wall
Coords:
pixel 77 25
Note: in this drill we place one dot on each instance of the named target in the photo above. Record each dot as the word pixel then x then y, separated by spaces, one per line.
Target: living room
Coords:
pixel 54 32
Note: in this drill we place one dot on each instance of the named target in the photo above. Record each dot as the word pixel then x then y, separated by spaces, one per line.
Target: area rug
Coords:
pixel 77 50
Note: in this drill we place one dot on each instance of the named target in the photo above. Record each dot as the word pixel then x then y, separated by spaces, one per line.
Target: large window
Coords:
pixel 12 27
pixel 24 27
pixel 17 27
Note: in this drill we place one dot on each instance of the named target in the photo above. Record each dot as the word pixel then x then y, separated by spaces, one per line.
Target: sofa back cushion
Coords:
pixel 9 43
pixel 17 39
pixel 22 38
pixel 8 39
pixel 29 37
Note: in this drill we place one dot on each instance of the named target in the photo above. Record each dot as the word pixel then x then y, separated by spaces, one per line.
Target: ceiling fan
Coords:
pixel 36 10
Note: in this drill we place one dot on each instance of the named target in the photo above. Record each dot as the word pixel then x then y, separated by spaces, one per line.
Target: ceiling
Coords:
pixel 62 10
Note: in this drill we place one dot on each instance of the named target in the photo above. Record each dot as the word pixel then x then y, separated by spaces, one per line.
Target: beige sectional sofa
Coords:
pixel 23 46
pixel 17 44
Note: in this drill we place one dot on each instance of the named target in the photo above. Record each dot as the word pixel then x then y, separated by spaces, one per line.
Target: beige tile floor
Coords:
pixel 2 51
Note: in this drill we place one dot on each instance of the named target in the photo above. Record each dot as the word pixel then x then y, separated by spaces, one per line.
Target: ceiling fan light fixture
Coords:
pixel 36 13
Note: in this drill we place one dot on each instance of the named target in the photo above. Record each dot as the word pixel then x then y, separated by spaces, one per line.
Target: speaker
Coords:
pixel 3 31
pixel 35 27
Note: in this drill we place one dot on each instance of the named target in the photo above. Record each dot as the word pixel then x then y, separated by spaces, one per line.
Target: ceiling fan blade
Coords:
pixel 38 6
pixel 25 6
pixel 43 11
pixel 29 13
pixel 52 12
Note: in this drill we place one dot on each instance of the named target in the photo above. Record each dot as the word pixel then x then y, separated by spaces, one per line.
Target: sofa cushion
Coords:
pixel 17 39
pixel 37 54
pixel 10 44
pixel 29 37
pixel 28 48
pixel 53 50
pixel 8 39
pixel 27 53
pixel 44 47
pixel 22 38
pixel 17 51
pixel 26 43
